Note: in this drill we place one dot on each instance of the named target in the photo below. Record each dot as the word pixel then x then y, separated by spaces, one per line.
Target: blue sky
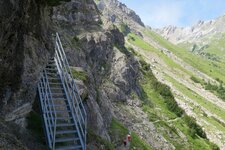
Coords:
pixel 159 13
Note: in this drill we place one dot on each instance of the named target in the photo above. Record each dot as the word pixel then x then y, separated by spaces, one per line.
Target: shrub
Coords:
pixel 124 28
pixel 79 75
pixel 218 89
pixel 196 80
pixel 145 66
pixel 194 127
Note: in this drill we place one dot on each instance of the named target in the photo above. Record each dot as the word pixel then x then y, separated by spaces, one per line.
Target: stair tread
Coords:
pixel 69 147
pixel 58 111
pixel 58 105
pixel 66 131
pixel 65 124
pixel 63 118
pixel 66 139
pixel 62 93
pixel 54 99
pixel 53 88
pixel 54 83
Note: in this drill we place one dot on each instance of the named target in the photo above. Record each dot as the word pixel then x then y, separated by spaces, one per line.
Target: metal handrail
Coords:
pixel 64 55
pixel 69 97
pixel 55 114
pixel 40 89
pixel 46 99
pixel 50 121
pixel 68 77
pixel 68 70
pixel 65 72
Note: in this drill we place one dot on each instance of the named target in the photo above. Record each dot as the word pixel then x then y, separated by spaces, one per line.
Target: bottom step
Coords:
pixel 70 147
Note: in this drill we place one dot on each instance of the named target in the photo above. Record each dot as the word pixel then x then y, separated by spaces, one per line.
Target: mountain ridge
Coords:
pixel 195 32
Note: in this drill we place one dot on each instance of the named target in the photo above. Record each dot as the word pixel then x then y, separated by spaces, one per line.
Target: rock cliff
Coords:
pixel 112 71
pixel 24 49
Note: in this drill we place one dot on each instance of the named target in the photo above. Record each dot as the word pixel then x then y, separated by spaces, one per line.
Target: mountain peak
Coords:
pixel 118 12
pixel 199 30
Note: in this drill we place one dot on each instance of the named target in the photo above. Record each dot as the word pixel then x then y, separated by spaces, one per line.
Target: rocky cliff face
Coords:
pixel 24 49
pixel 198 31
pixel 116 11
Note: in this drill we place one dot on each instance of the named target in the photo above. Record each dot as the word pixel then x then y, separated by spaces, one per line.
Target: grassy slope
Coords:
pixel 163 113
pixel 197 98
pixel 134 39
pixel 209 67
pixel 215 44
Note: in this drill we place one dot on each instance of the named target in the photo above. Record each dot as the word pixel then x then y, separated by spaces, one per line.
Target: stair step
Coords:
pixel 65 125
pixel 58 105
pixel 68 139
pixel 54 88
pixel 50 78
pixel 58 111
pixel 63 118
pixel 69 147
pixel 58 93
pixel 66 131
pixel 58 99
pixel 55 83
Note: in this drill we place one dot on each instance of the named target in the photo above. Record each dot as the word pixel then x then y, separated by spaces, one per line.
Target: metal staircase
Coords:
pixel 63 112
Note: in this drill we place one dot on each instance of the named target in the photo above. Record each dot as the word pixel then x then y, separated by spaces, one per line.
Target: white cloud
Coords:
pixel 164 14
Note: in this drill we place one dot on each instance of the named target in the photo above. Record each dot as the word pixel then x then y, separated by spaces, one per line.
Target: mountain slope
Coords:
pixel 176 70
pixel 170 69
pixel 204 38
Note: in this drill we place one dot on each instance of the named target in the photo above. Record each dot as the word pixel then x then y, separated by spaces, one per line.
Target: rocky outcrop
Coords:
pixel 117 13
pixel 112 71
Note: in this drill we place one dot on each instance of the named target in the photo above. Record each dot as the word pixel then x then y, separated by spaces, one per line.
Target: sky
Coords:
pixel 182 13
